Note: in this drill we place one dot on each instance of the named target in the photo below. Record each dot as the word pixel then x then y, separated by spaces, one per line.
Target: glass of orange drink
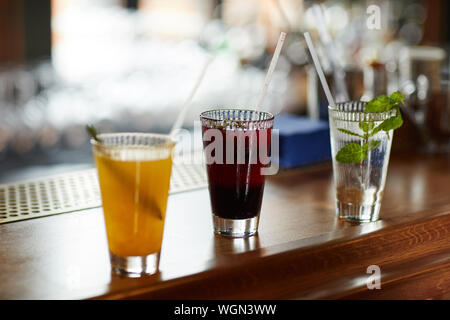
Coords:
pixel 134 175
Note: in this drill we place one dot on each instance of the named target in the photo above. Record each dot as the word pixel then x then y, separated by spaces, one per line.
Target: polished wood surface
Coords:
pixel 302 250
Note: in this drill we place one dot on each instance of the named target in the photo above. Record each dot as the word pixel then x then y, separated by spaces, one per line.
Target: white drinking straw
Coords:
pixel 179 121
pixel 272 66
pixel 319 69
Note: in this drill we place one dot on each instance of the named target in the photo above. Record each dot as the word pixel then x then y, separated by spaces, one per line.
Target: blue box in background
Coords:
pixel 302 141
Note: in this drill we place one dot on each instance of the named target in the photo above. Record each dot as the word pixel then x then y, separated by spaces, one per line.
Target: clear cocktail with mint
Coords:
pixel 361 138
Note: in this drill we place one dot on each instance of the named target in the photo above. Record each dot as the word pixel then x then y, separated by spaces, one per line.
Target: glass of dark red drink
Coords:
pixel 236 144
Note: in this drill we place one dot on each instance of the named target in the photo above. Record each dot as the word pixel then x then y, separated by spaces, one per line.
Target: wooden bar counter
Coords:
pixel 302 250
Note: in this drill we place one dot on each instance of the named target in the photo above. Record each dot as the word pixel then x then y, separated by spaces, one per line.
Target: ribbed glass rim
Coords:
pixel 237 119
pixel 354 111
pixel 165 141
pixel 203 115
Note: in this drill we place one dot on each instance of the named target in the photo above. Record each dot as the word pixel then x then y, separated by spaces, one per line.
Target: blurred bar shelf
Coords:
pixel 302 250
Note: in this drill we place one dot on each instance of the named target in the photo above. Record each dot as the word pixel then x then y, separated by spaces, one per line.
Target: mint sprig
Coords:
pixel 225 123
pixel 350 153
pixel 93 133
pixel 356 153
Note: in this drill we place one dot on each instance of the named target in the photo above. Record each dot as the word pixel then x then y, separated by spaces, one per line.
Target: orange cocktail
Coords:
pixel 134 175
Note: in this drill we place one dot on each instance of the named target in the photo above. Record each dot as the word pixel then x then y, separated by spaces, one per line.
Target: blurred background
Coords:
pixel 129 64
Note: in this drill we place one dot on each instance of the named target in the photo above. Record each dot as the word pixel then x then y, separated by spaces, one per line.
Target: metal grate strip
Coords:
pixel 76 191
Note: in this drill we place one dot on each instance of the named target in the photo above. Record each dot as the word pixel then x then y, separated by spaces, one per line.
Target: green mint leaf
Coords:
pixel 384 103
pixel 397 97
pixel 93 133
pixel 350 133
pixel 379 104
pixel 351 153
pixel 377 129
pixel 392 123
pixel 366 126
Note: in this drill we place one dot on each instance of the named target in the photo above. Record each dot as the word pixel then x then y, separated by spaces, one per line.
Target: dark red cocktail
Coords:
pixel 237 149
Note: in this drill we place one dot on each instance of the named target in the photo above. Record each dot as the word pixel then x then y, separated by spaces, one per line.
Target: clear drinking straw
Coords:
pixel 272 66
pixel 283 14
pixel 179 121
pixel 319 69
pixel 338 72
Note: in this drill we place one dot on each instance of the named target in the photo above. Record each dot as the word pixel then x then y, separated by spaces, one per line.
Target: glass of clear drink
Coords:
pixel 360 156
pixel 134 174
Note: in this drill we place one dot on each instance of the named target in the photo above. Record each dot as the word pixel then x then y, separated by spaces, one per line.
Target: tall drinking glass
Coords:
pixel 359 173
pixel 134 174
pixel 237 146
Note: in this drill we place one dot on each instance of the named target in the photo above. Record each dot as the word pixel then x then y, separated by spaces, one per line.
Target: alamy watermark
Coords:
pixel 223 146
pixel 374 280
pixel 373 21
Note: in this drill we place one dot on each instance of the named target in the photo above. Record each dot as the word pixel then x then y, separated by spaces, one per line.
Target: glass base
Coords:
pixel 358 213
pixel 135 266
pixel 236 228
